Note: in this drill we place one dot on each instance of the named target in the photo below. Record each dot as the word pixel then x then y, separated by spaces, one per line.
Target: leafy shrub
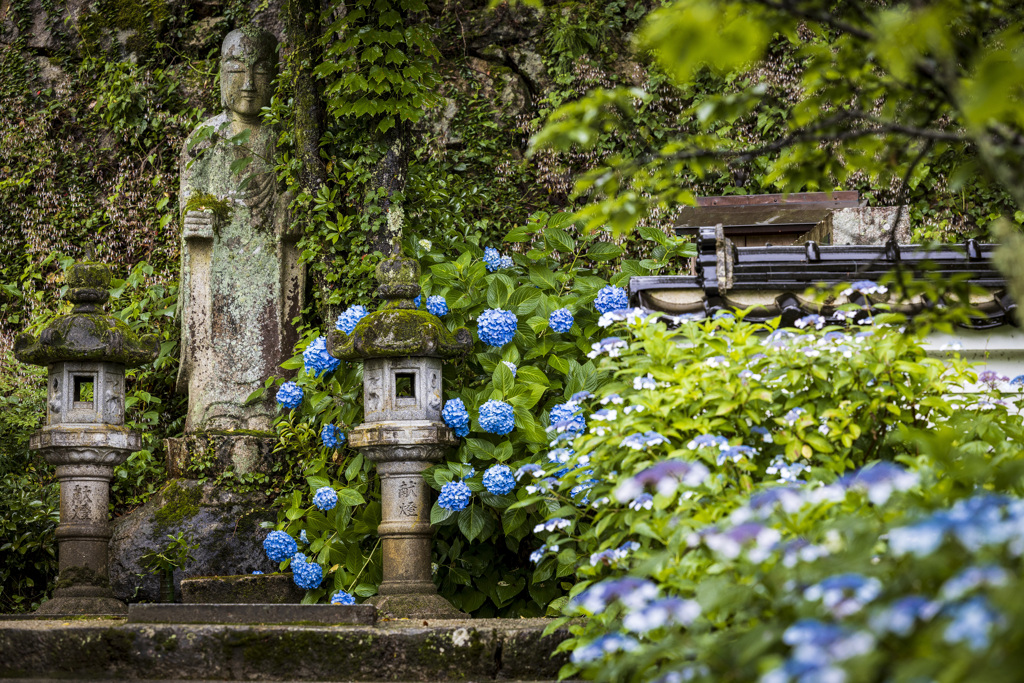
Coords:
pixel 30 500
pixel 735 512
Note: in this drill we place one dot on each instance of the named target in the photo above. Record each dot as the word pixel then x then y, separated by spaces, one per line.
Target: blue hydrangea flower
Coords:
pixel 561 320
pixel 289 395
pixel 317 359
pixel 348 320
pixel 814 320
pixel 973 622
pixel 257 572
pixel 511 366
pixel 279 546
pixel 496 327
pixel 436 305
pixel 492 259
pixel 611 298
pixel 498 480
pixel 342 598
pixel 865 287
pixel 506 262
pixel 568 417
pixel 454 496
pixel 307 575
pixel 418 300
pixel 331 436
pixel 303 537
pixel 325 498
pixel 455 416
pixel 497 417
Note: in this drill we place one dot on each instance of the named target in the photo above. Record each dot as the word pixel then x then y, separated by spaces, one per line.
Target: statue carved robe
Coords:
pixel 241 280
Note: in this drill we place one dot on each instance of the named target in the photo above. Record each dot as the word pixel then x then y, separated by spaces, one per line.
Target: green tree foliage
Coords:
pixel 887 93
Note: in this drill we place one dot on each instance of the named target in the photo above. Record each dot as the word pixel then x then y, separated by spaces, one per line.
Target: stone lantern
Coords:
pixel 402 350
pixel 86 353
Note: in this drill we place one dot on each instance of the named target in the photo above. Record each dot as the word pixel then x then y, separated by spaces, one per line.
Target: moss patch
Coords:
pixel 204 201
pixel 80 576
pixel 179 503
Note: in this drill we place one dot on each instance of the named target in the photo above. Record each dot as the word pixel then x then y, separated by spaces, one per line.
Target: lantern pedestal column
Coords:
pixel 85 459
pixel 402 452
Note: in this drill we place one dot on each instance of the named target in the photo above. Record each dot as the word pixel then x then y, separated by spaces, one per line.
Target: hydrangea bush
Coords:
pixel 520 367
pixel 771 505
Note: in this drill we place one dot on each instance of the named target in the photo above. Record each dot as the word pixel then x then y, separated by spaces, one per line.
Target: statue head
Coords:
pixel 248 64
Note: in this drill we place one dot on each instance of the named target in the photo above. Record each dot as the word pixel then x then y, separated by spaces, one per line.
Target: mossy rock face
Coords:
pixel 226 524
pixel 179 503
pixel 397 332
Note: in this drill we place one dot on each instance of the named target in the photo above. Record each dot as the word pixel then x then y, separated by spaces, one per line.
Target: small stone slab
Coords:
pixel 245 589
pixel 212 613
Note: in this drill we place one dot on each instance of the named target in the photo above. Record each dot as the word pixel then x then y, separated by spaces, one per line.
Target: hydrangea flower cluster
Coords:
pixel 317 359
pixel 665 477
pixel 511 366
pixel 537 555
pixel 454 496
pixel 498 480
pixel 455 416
pixel 560 321
pixel 632 316
pixel 303 538
pixel 290 395
pixel 611 298
pixel 610 345
pixel 613 555
pixel 813 320
pixel 325 498
pixel 342 598
pixel 279 546
pixel 497 417
pixel 554 524
pixel 307 575
pixel 436 305
pixel 641 441
pixel 844 594
pixel 417 301
pixel 496 327
pixel 350 317
pixel 331 436
pixel 865 287
pixel 492 259
pixel 568 418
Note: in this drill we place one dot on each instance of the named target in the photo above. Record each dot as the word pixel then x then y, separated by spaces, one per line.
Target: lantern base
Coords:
pixel 415 606
pixel 77 606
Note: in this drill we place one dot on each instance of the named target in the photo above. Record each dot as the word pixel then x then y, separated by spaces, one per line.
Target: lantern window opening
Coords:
pixel 84 388
pixel 405 385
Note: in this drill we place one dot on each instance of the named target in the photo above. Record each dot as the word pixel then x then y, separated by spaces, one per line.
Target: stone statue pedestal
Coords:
pixel 207 454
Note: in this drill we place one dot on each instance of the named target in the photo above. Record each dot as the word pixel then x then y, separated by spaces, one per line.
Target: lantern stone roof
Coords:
pixel 87 333
pixel 398 329
pixel 771 281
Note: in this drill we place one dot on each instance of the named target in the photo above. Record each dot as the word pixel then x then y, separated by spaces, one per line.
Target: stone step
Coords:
pixel 392 650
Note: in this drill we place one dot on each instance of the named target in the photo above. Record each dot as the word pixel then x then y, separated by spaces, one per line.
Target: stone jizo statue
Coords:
pixel 242 283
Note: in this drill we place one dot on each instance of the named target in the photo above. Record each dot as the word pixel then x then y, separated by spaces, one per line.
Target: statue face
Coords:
pixel 247 69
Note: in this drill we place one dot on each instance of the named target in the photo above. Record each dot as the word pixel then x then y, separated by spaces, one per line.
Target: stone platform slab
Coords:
pixel 398 650
pixel 171 613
